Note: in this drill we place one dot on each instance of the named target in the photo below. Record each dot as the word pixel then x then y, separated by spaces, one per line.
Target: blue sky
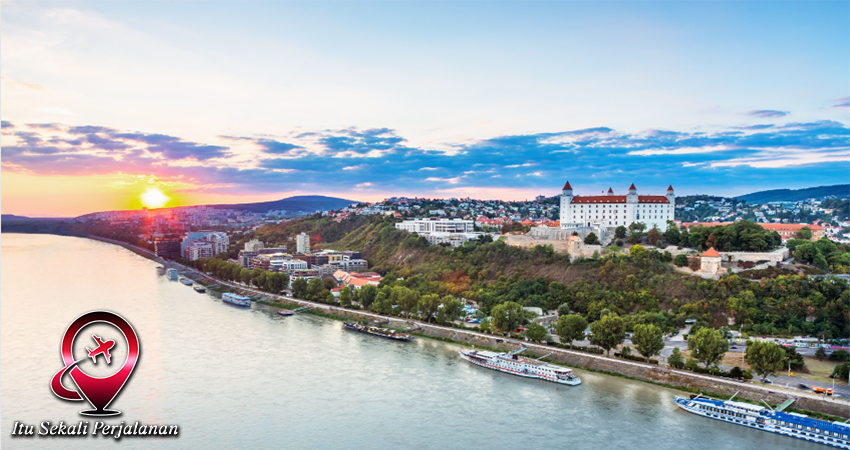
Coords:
pixel 489 99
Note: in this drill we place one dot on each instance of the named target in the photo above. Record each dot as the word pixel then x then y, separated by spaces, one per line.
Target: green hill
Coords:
pixel 794 195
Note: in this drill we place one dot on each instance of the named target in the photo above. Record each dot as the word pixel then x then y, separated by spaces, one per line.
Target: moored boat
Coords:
pixel 834 434
pixel 187 281
pixel 378 331
pixel 286 312
pixel 514 364
pixel 200 289
pixel 172 274
pixel 235 299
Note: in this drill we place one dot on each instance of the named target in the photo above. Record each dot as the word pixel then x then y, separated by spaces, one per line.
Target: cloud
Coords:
pixel 381 160
pixel 841 103
pixel 7 124
pixel 766 113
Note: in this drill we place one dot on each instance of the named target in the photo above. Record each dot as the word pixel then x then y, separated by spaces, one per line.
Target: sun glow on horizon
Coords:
pixel 153 198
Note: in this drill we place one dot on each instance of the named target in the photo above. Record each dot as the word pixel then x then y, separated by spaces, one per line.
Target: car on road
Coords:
pixel 734 347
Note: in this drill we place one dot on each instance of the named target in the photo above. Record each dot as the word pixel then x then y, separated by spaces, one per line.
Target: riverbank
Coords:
pixel 671 378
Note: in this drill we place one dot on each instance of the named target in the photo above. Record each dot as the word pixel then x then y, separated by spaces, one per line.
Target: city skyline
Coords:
pixel 365 101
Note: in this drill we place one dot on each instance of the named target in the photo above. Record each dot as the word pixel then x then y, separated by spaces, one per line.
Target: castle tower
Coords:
pixel 610 191
pixel 566 199
pixel 671 195
pixel 633 195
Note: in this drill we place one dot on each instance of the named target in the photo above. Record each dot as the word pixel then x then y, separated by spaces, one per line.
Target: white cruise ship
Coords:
pixel 235 299
pixel 517 365
pixel 833 434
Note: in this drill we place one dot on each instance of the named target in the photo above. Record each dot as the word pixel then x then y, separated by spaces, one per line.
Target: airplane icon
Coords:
pixel 102 347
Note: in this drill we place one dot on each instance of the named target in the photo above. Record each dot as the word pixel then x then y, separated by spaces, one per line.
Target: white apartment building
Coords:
pixel 454 232
pixel 218 239
pixel 598 211
pixel 302 243
pixel 436 225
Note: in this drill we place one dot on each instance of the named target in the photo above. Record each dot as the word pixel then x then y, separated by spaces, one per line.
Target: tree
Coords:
pixel 570 328
pixel 620 232
pixel 676 360
pixel 654 235
pixel 405 298
pixel 314 287
pixel 608 332
pixel 299 287
pixel 591 239
pixel 484 326
pixel 330 299
pixel 508 316
pixel 806 252
pixel 648 340
pixel 367 295
pixel 765 358
pixel 637 229
pixel 330 283
pixel 680 260
pixel 452 308
pixel 684 238
pixel 803 233
pixel 820 262
pixel 429 304
pixel 345 297
pixel 820 353
pixel 841 371
pixel 672 233
pixel 536 332
pixel 711 242
pixel 694 264
pixel 638 252
pixel 708 346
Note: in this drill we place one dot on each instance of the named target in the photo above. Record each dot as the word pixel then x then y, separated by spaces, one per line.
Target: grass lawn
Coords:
pixel 819 370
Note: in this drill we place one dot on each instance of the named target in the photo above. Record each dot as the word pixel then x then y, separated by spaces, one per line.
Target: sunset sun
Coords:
pixel 154 198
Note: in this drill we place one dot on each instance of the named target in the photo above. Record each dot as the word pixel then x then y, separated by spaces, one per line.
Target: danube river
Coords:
pixel 247 378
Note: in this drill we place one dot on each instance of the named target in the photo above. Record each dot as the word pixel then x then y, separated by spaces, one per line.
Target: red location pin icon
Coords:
pixel 98 391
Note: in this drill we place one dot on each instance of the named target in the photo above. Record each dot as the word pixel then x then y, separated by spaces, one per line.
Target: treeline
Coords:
pixel 742 236
pixel 102 228
pixel 823 254
pixel 264 280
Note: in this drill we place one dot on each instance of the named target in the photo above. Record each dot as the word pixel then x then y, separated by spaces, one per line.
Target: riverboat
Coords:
pixel 286 312
pixel 172 274
pixel 187 281
pixel 514 364
pixel 200 289
pixel 833 434
pixel 377 331
pixel 234 299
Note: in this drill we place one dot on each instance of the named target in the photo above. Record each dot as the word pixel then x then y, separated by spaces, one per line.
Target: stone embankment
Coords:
pixel 601 363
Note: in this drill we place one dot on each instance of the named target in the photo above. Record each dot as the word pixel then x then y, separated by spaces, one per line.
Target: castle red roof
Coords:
pixel 632 187
pixel 670 188
pixel 610 190
pixel 567 186
pixel 618 199
pixel 711 253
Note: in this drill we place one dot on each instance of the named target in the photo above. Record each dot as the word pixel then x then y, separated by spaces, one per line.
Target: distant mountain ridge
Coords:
pixel 12 217
pixel 297 204
pixel 793 195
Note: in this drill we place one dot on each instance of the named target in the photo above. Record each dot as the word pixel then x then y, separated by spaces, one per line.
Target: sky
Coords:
pixel 223 102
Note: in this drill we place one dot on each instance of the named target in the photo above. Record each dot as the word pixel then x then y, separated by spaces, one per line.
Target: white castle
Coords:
pixel 604 211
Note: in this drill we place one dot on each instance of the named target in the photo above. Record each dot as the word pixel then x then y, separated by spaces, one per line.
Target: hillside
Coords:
pixel 303 204
pixel 12 217
pixel 642 288
pixel 793 195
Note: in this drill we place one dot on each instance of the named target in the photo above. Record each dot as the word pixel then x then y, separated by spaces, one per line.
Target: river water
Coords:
pixel 247 378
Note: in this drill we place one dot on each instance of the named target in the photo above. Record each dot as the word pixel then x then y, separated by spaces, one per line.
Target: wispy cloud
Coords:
pixel 768 113
pixel 841 103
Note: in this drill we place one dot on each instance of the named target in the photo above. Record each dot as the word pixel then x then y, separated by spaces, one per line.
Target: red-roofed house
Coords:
pixel 610 210
pixel 356 280
pixel 709 262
